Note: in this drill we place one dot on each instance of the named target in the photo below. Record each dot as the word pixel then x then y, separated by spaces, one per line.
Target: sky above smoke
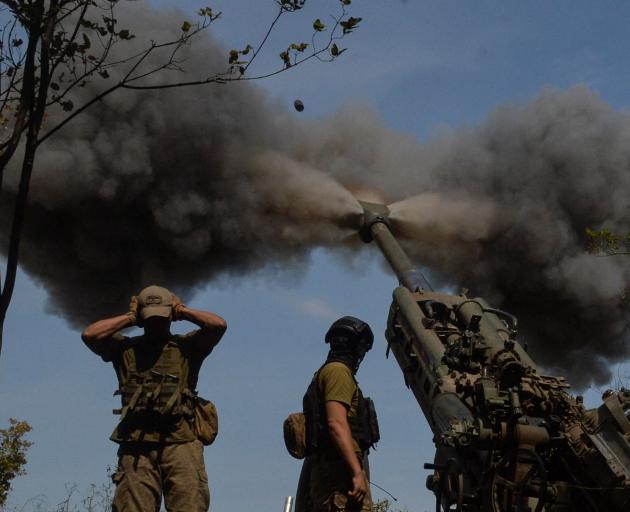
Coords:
pixel 184 186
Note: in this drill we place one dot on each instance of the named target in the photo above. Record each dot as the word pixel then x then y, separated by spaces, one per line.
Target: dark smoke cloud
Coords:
pixel 504 210
pixel 174 187
pixel 179 187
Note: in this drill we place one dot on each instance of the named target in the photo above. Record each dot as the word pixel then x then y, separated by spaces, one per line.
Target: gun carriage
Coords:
pixel 508 438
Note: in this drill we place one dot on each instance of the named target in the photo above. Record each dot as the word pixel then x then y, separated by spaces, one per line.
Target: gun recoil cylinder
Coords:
pixel 376 226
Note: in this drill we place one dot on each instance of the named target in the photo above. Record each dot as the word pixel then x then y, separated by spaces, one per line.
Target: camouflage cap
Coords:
pixel 155 301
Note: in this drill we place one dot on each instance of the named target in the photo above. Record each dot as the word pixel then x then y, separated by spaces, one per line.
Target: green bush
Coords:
pixel 13 448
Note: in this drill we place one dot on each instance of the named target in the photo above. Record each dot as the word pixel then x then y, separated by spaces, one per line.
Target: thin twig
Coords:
pixel 264 40
pixel 72 38
pixel 78 111
pixel 80 4
pixel 87 74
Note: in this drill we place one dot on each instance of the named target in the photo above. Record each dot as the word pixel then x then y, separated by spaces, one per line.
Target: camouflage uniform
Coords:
pixel 330 482
pixel 326 473
pixel 145 470
pixel 155 456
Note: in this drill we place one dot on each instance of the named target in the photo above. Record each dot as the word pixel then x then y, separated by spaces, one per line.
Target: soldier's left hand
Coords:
pixel 133 310
pixel 359 488
pixel 177 307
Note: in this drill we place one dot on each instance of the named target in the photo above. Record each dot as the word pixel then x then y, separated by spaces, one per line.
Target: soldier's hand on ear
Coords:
pixel 177 308
pixel 133 310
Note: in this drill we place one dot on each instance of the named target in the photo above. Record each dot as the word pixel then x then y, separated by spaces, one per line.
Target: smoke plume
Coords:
pixel 178 187
pixel 503 210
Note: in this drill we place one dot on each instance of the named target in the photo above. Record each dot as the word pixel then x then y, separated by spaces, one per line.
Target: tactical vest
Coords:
pixel 160 393
pixel 363 426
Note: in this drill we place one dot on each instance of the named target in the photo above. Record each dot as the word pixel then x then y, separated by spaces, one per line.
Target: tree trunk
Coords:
pixel 33 99
pixel 16 227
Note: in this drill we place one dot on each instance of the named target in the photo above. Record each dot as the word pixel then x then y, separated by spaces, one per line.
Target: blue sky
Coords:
pixel 424 66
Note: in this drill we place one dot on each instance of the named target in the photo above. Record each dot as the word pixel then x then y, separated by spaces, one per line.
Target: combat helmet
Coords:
pixel 350 335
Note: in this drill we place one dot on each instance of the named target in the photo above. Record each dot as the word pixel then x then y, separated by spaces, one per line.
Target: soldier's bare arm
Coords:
pixel 341 435
pixel 100 336
pixel 212 327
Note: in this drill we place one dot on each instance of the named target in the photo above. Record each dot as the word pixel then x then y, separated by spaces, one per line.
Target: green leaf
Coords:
pixel 86 42
pixel 186 26
pixel 335 51
pixel 233 56
pixel 125 34
pixel 247 49
pixel 299 47
pixel 206 11
pixel 292 5
pixel 318 26
pixel 71 49
pixel 286 58
pixel 110 23
pixel 350 24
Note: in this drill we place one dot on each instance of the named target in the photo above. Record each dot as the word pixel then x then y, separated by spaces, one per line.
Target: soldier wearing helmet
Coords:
pixel 161 450
pixel 341 426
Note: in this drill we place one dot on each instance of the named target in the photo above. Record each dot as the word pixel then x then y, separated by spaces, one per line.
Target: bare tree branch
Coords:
pixel 264 40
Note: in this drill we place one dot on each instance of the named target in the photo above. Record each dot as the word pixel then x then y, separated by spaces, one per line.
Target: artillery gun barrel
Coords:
pixel 376 227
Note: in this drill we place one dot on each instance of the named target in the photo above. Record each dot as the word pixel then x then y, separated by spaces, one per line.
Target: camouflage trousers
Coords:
pixel 324 486
pixel 148 471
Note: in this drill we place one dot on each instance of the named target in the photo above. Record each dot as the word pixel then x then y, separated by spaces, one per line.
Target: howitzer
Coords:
pixel 508 438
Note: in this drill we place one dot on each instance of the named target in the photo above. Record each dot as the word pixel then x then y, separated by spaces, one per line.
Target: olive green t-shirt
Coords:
pixel 336 383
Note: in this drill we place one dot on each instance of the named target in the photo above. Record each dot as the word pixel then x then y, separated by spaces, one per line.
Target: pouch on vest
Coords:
pixel 206 422
pixel 371 421
pixel 364 425
pixel 315 432
pixel 294 430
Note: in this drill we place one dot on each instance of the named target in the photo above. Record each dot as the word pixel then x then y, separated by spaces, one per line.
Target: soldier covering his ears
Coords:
pixel 160 453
